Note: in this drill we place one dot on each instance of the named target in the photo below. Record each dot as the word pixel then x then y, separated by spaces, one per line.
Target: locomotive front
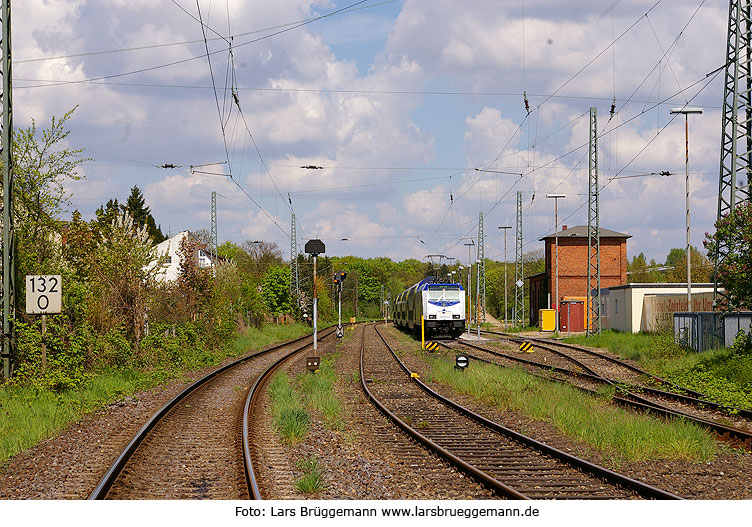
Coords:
pixel 444 308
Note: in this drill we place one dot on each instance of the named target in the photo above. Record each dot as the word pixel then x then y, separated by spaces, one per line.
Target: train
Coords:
pixel 442 304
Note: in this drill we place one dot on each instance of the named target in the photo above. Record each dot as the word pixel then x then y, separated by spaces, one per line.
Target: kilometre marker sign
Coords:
pixel 44 294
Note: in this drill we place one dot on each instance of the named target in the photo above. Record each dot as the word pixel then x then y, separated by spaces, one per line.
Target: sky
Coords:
pixel 419 114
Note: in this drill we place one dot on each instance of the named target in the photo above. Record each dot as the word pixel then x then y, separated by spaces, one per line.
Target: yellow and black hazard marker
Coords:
pixel 432 346
pixel 526 346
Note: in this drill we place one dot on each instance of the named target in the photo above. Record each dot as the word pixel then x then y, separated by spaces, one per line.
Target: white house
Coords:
pixel 650 307
pixel 170 248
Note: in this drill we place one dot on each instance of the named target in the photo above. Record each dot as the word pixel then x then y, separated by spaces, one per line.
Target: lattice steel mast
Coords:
pixel 213 233
pixel 736 121
pixel 593 307
pixel 294 279
pixel 8 240
pixel 519 290
pixel 481 270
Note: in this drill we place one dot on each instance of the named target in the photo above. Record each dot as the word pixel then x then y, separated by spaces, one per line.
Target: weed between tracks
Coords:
pixel 312 480
pixel 620 435
pixel 318 394
pixel 293 403
pixel 290 419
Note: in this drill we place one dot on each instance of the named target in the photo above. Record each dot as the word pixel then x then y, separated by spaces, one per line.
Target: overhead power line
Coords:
pixel 183 61
pixel 227 38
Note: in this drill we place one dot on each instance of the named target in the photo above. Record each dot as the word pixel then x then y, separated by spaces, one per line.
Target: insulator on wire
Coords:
pixel 613 107
pixel 527 103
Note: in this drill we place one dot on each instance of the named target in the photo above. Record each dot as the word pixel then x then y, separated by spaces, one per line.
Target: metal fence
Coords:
pixel 702 331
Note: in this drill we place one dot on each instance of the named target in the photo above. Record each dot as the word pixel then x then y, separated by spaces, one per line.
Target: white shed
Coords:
pixel 650 307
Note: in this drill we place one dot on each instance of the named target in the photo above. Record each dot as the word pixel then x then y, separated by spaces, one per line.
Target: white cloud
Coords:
pixel 349 94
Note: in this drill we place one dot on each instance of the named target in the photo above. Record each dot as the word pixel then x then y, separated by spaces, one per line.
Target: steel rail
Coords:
pixel 456 461
pixel 253 393
pixel 591 468
pixel 635 369
pixel 633 400
pixel 104 485
pixel 688 396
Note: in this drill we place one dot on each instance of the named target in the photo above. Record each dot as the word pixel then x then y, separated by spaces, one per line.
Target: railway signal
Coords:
pixel 314 248
pixel 339 277
pixel 312 364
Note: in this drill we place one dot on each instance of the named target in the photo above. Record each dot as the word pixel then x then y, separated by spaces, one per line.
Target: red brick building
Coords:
pixel 573 266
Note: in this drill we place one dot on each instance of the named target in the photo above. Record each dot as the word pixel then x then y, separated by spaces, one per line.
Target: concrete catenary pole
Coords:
pixel 8 241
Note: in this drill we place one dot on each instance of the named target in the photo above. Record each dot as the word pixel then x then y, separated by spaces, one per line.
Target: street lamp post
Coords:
pixel 556 197
pixel 686 112
pixel 506 309
pixel 469 295
pixel 477 298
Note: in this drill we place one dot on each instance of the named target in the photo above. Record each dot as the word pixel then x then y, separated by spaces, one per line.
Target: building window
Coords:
pixel 616 305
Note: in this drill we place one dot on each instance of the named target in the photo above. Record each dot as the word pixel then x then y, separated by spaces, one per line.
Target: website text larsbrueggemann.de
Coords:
pixel 415 511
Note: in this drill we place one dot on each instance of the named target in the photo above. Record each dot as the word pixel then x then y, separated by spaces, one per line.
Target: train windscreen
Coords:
pixel 443 292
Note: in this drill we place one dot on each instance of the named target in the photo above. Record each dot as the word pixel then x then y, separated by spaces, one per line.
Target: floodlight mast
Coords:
pixel 556 198
pixel 686 112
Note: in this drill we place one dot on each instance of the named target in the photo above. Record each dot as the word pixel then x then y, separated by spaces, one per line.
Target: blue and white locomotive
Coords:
pixel 441 304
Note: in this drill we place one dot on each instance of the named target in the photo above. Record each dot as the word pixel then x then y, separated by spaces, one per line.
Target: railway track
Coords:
pixel 509 463
pixel 193 447
pixel 731 424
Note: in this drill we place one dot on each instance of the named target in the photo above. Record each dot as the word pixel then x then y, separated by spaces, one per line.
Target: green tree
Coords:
pixel 136 205
pixel 702 268
pixel 238 294
pixel 41 167
pixel 734 232
pixel 79 245
pixel 124 276
pixel 674 256
pixel 263 256
pixel 195 284
pixel 106 214
pixel 275 290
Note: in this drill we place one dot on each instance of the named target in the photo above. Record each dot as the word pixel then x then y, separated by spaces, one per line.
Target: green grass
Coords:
pixel 29 415
pixel 290 419
pixel 644 348
pixel 318 394
pixel 722 375
pixel 257 339
pixel 312 480
pixel 619 435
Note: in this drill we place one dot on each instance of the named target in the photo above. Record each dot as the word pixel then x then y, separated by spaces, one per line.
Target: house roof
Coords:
pixel 581 231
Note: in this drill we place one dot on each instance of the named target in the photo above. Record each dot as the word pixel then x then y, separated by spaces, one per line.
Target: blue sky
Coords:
pixel 399 101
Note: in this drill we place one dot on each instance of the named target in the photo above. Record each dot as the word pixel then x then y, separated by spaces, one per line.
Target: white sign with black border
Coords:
pixel 44 294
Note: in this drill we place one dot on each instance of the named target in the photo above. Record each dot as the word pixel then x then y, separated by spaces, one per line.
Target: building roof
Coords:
pixel 581 231
pixel 662 285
